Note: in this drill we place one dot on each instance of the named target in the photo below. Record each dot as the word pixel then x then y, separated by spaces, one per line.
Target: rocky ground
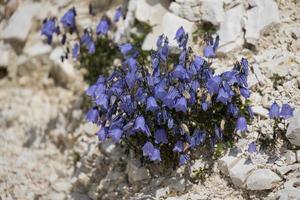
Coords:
pixel 49 152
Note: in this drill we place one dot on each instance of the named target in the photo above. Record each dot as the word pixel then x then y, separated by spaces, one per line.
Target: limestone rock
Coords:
pixel 190 10
pixel 228 161
pixel 262 179
pixel 259 110
pixel 151 11
pixel 136 172
pixel 253 26
pixel 293 131
pixel 241 171
pixel 21 21
pixel 298 156
pixel 230 32
pixel 212 11
pixel 290 157
pixel 64 72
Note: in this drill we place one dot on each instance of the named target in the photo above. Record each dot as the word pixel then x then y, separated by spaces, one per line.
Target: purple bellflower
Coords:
pixel 103 26
pixel 68 19
pixel 49 28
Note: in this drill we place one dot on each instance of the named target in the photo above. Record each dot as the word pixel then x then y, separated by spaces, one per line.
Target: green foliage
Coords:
pixel 101 61
pixel 277 81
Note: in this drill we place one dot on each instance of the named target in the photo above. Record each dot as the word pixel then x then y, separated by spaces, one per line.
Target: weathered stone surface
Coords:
pixel 20 23
pixel 190 10
pixel 293 131
pixel 262 179
pixel 212 11
pixel 259 110
pixel 170 24
pixel 228 161
pixel 230 31
pixel 298 156
pixel 136 172
pixel 63 71
pixel 151 11
pixel 253 26
pixel 290 157
pixel 241 171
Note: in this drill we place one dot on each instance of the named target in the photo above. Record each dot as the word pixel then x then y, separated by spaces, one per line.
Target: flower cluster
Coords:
pixel 285 112
pixel 170 107
pixel 68 22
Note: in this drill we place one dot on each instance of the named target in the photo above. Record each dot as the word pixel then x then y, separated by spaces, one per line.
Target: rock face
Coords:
pixel 240 172
pixel 151 11
pixel 262 179
pixel 293 131
pixel 20 23
pixel 212 11
pixel 228 161
pixel 169 26
pixel 253 26
pixel 136 172
pixel 230 30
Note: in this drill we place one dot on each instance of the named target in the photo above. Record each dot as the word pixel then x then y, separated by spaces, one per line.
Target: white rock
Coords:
pixel 151 11
pixel 290 157
pixel 288 194
pixel 170 24
pixel 262 179
pixel 186 10
pixel 241 171
pixel 259 110
pixel 136 172
pixel 283 170
pixel 20 23
pixel 64 71
pixel 177 185
pixel 253 26
pixel 39 48
pixel 252 80
pixel 298 156
pixel 230 32
pixel 228 161
pixel 5 54
pixel 260 77
pixel 212 11
pixel 293 131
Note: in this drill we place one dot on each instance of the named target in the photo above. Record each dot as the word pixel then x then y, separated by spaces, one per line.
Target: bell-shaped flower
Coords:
pixel 245 92
pixel 252 147
pixel 179 35
pixel 140 125
pixel 274 111
pixel 152 104
pixel 103 26
pixel 68 19
pixel 223 96
pixel 150 151
pixel 115 134
pixel 233 109
pixel 181 105
pixel 102 133
pixel 213 84
pixel 102 101
pixel 197 138
pixel 241 124
pixel 49 28
pixel 126 48
pixel 180 72
pixel 286 111
pixel 169 99
pixel 88 42
pixel 178 146
pixel 92 115
pixel 118 14
pixel 160 136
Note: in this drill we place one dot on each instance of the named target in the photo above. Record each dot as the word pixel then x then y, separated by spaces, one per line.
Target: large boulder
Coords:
pixel 254 26
pixel 230 32
pixel 20 23
pixel 151 11
pixel 262 179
